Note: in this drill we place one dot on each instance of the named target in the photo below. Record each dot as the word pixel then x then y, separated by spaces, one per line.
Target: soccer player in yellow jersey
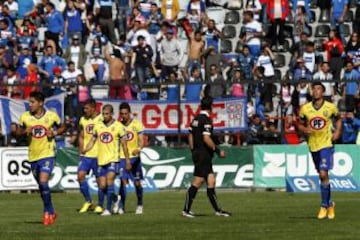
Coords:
pixel 316 121
pixel 134 136
pixel 41 126
pixel 88 161
pixel 108 135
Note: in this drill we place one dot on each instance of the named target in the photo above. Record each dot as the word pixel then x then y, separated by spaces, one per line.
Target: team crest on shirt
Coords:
pixel 38 131
pixel 106 137
pixel 129 136
pixel 317 123
pixel 89 128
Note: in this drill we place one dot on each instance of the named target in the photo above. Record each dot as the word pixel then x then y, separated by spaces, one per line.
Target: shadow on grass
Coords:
pixel 304 217
pixel 33 222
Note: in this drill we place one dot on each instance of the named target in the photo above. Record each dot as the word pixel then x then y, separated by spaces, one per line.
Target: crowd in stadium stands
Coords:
pixel 166 49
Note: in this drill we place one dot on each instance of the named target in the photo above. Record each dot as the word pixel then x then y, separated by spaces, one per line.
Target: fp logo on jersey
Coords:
pixel 129 136
pixel 317 123
pixel 38 131
pixel 106 137
pixel 89 128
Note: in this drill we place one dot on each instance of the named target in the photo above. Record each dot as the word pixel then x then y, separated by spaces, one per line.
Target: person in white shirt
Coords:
pixel 309 56
pixel 266 61
pixel 324 75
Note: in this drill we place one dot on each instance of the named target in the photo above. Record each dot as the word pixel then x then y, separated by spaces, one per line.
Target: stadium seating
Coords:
pixel 229 31
pixel 225 46
pixel 324 16
pixel 322 31
pixel 279 60
pixel 232 17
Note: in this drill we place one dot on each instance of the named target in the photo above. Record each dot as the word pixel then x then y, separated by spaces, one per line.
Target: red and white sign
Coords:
pixel 162 116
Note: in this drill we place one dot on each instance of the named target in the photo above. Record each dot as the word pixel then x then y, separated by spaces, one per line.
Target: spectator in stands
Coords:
pixel 353 45
pixel 72 17
pixel 286 93
pixel 145 8
pixel 26 39
pixel 237 88
pixel 171 54
pixel 172 88
pixel 255 7
pixel 255 130
pixel 351 86
pixel 6 60
pixel 49 61
pixel 11 79
pixel 103 9
pixel 55 25
pixel 70 76
pixel 155 20
pixel 301 72
pixel 196 13
pixel 13 8
pixel 13 140
pixel 57 82
pixel 212 35
pixel 246 63
pixel 83 91
pixel 350 128
pixel 76 52
pixel 301 21
pixel 265 60
pixel 356 21
pixel 211 56
pixel 170 10
pixel 31 80
pixel 277 11
pixel 305 4
pixel 140 30
pixel 337 16
pixel 123 8
pixel 24 6
pixel 22 60
pixel 298 48
pixel 28 25
pixel 304 95
pixel 310 57
pixel 216 85
pixel 324 76
pixel 193 90
pixel 141 60
pixel 251 34
pixel 8 34
pixel 334 50
pixel 196 46
pixel 98 62
pixel 136 16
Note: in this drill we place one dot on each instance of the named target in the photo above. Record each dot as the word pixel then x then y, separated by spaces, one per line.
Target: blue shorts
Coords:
pixel 45 165
pixel 86 164
pixel 102 171
pixel 323 159
pixel 136 172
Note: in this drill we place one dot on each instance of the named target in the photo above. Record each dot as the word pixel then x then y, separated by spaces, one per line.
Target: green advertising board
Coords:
pixel 273 163
pixel 170 168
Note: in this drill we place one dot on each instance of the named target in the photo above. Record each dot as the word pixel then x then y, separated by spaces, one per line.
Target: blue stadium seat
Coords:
pixel 279 61
pixel 229 31
pixel 225 46
pixel 232 17
pixel 322 31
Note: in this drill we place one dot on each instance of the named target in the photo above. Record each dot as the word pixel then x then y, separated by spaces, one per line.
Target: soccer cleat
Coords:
pixel 222 213
pixel 139 210
pixel 47 218
pixel 116 205
pixel 85 207
pixel 98 209
pixel 106 213
pixel 331 211
pixel 322 213
pixel 53 218
pixel 188 214
pixel 121 211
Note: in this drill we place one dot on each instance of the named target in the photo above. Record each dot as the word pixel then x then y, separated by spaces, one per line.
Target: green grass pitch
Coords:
pixel 259 215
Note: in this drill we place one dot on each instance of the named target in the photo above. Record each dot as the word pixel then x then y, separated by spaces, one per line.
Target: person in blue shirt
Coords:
pixel 73 22
pixel 55 25
pixel 337 14
pixel 49 61
pixel 155 20
pixel 246 62
pixel 351 88
pixel 25 6
pixel 23 60
pixel 7 33
pixel 212 35
pixel 193 90
pixel 350 128
pixel 301 72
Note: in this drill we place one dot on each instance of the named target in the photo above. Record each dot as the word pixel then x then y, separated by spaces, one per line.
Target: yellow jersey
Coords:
pixel 320 122
pixel 133 130
pixel 87 126
pixel 40 146
pixel 108 141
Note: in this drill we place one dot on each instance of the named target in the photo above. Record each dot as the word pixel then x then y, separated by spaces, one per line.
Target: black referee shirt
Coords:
pixel 201 125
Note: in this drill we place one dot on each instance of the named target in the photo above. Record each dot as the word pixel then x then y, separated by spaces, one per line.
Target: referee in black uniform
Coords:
pixel 202 144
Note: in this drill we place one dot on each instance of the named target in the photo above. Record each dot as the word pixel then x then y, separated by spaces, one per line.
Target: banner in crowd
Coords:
pixel 280 166
pixel 164 168
pixel 162 116
pixel 11 109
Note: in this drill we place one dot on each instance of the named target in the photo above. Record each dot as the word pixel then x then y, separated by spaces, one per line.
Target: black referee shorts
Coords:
pixel 202 163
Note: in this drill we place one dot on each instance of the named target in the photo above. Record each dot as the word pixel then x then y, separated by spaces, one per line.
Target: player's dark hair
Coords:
pixel 206 103
pixel 39 96
pixel 318 84
pixel 125 105
pixel 91 102
pixel 108 106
